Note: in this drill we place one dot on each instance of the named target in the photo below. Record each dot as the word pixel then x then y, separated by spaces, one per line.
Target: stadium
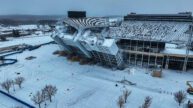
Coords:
pixel 146 40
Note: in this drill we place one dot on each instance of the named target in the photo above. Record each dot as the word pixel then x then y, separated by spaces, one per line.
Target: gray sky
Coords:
pixel 93 7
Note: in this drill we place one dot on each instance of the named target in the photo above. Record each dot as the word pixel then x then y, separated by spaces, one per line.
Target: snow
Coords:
pixel 173 49
pixel 90 86
pixel 108 42
pixel 26 27
pixel 168 45
pixel 20 27
pixel 43 38
pixel 176 51
pixel 8 103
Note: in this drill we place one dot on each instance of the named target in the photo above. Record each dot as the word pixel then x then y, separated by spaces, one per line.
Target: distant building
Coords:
pixel 76 14
pixel 136 39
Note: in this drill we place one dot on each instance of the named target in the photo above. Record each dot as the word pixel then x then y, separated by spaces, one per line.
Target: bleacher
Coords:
pixel 180 17
pixel 147 27
pixel 163 31
pixel 87 22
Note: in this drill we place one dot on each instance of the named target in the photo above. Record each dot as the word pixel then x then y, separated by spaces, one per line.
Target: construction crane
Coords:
pixel 190 89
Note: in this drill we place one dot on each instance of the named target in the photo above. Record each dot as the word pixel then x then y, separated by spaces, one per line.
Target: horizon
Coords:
pixel 59 15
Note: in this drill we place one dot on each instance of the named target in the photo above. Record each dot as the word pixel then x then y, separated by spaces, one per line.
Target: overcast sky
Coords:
pixel 93 7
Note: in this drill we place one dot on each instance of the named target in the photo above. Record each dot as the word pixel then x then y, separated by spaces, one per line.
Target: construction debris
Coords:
pixel 30 58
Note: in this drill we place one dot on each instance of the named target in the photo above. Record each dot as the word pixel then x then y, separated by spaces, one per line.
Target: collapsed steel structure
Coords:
pixel 136 39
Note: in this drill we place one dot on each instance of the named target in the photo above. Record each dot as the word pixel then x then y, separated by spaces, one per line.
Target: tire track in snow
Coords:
pixel 82 97
pixel 158 91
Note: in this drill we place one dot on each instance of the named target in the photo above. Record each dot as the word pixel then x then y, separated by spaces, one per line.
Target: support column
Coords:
pixel 135 53
pixel 149 54
pixel 156 54
pixel 142 60
pixel 167 62
pixel 135 59
pixel 142 55
pixel 130 53
pixel 185 64
pixel 162 62
pixel 129 58
pixel 148 59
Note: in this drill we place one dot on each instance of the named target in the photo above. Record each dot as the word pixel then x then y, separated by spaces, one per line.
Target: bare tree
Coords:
pixel 180 97
pixel 120 102
pixel 7 85
pixel 38 98
pixel 13 84
pixel 126 94
pixel 19 81
pixel 147 102
pixel 49 91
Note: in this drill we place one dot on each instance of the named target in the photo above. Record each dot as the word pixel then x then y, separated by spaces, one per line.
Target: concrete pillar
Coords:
pixel 148 60
pixel 142 60
pixel 129 58
pixel 156 54
pixel 167 62
pixel 185 64
pixel 162 62
pixel 136 59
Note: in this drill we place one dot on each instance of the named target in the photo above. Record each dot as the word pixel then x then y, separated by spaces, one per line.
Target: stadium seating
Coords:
pixel 151 30
pixel 87 22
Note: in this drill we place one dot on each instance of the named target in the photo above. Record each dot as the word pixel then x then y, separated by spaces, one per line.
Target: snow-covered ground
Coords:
pixel 20 27
pixel 6 102
pixel 90 86
pixel 31 40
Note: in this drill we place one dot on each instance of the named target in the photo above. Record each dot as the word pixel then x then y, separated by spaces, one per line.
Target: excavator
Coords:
pixel 190 89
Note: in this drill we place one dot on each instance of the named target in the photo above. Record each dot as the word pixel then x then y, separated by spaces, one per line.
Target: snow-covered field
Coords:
pixel 90 86
pixel 31 40
pixel 6 102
